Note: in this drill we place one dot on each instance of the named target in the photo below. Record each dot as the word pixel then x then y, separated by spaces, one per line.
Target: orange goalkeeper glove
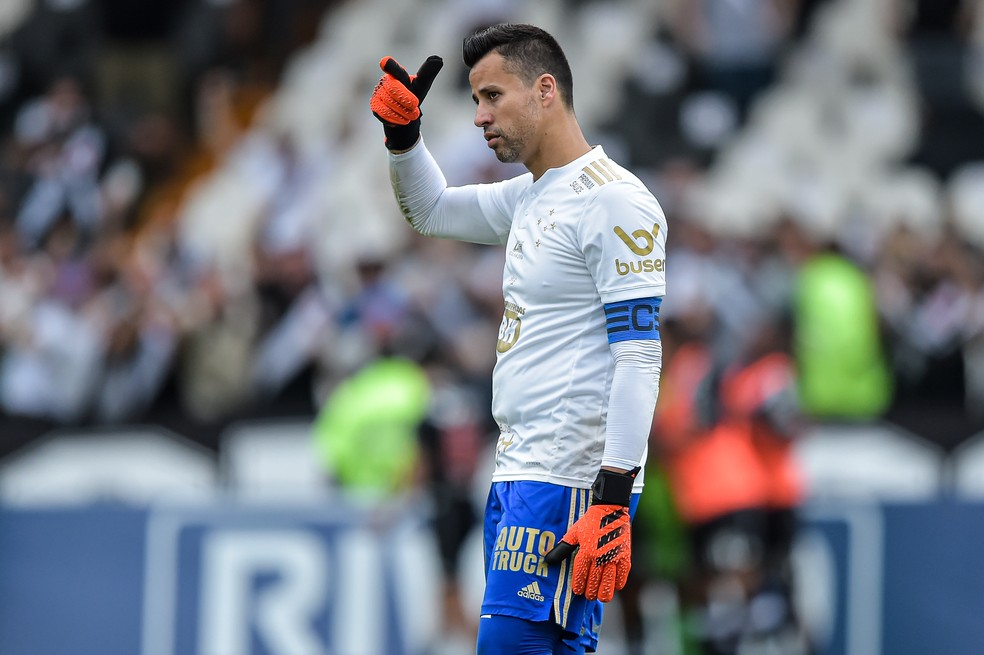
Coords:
pixel 601 539
pixel 396 100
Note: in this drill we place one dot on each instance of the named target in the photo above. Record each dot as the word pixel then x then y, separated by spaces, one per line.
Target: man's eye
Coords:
pixel 493 95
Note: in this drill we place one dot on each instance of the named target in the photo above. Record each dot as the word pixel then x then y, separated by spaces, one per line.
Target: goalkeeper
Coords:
pixel 578 350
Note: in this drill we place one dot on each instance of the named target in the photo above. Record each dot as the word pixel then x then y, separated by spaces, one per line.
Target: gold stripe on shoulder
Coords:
pixel 611 169
pixel 594 176
pixel 598 167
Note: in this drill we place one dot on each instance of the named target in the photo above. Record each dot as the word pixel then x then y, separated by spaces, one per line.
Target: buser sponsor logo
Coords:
pixel 640 266
pixel 641 242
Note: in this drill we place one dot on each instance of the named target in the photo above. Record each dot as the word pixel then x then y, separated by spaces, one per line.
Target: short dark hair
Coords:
pixel 528 52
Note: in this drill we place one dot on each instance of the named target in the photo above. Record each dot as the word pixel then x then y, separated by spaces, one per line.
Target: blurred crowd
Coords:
pixel 111 111
pixel 113 117
pixel 170 253
pixel 196 225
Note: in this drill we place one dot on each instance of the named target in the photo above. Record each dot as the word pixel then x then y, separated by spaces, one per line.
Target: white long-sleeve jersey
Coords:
pixel 581 237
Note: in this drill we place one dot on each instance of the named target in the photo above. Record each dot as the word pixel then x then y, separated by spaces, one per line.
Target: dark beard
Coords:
pixel 506 154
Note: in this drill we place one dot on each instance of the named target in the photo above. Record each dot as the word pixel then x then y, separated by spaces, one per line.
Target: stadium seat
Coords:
pixel 271 460
pixel 965 194
pixel 132 465
pixel 871 462
pixel 967 469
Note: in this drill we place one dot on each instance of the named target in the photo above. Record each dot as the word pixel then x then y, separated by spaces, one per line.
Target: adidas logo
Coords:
pixel 531 591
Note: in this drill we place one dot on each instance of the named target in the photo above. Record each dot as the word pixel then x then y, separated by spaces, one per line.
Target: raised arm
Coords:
pixel 472 213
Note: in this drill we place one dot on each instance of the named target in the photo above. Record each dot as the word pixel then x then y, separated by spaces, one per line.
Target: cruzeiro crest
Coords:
pixel 509 328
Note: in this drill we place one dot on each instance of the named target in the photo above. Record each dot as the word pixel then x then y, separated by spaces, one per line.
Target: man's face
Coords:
pixel 506 109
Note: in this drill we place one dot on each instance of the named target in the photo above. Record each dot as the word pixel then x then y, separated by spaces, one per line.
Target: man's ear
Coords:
pixel 547 86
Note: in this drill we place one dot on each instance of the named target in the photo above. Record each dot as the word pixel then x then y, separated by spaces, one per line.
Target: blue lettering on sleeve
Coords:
pixel 633 319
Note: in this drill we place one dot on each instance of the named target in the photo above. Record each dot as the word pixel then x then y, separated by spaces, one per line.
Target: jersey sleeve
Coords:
pixel 635 387
pixel 623 239
pixel 479 213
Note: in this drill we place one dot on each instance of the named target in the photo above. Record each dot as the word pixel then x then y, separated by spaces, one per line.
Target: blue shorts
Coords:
pixel 523 521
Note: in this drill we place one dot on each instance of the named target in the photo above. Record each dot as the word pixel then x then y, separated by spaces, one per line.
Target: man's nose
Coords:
pixel 482 118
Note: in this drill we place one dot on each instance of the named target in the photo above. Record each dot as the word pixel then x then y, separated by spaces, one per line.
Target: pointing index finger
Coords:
pixel 390 66
pixel 425 75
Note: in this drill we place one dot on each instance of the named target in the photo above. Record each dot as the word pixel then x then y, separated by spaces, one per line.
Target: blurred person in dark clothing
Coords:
pixel 937 40
pixel 453 439
pixel 758 394
pixel 928 293
pixel 719 488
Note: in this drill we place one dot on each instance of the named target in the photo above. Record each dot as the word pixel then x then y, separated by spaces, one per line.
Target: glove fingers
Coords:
pixel 580 572
pixel 390 65
pixel 593 583
pixel 422 81
pixel 398 96
pixel 607 582
pixel 622 574
pixel 388 114
pixel 393 102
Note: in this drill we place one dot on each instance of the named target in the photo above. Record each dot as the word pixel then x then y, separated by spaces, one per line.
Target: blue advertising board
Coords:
pixel 224 580
pixel 285 580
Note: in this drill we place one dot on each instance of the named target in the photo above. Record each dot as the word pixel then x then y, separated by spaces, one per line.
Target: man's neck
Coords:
pixel 562 143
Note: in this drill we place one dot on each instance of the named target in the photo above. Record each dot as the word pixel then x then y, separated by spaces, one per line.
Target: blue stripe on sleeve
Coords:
pixel 633 319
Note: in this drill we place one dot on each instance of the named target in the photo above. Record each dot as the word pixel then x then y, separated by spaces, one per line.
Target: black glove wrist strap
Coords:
pixel 402 137
pixel 613 488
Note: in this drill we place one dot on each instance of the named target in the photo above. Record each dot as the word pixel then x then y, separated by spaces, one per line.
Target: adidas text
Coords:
pixel 531 591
